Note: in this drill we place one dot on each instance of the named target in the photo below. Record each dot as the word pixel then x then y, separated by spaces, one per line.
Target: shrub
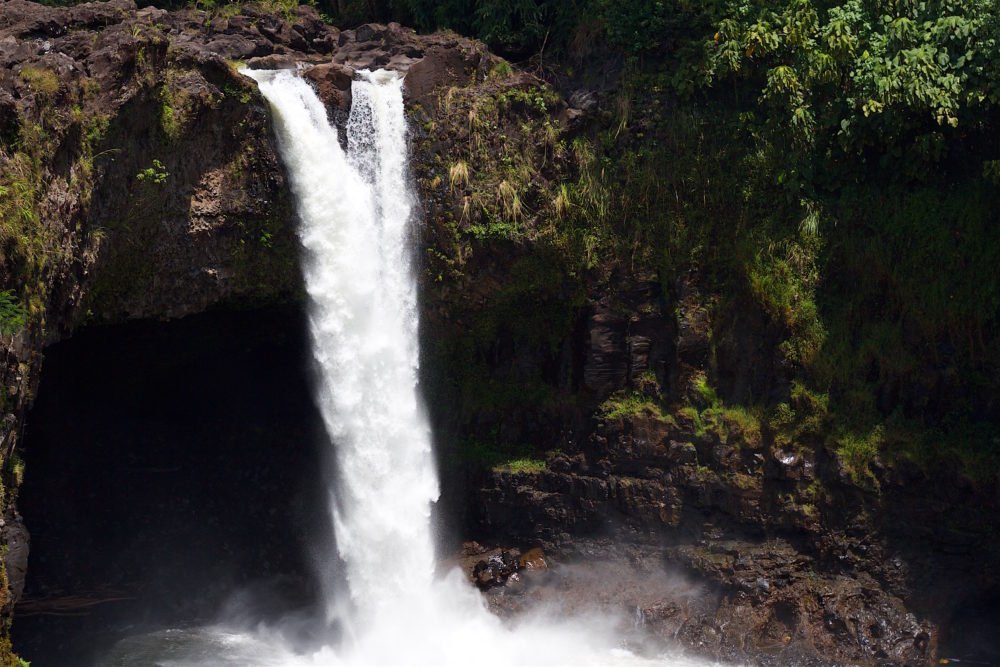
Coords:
pixel 859 451
pixel 155 174
pixel 501 70
pixel 12 313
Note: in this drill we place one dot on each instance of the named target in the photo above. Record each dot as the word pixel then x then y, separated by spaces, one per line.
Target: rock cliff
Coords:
pixel 140 180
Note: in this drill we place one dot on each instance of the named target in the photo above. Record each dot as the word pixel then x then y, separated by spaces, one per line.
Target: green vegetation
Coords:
pixel 12 313
pixel 705 395
pixel 172 111
pixel 501 70
pixel 156 174
pixel 503 142
pixel 522 465
pixel 730 423
pixel 42 80
pixel 493 453
pixel 803 420
pixel 632 404
pixel 830 164
pixel 859 451
pixel 28 250
pixel 7 656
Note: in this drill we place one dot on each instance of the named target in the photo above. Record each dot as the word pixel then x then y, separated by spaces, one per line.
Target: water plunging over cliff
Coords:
pixel 355 212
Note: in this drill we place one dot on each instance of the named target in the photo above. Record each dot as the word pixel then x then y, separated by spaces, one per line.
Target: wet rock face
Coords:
pixel 628 336
pixel 805 565
pixel 772 600
pixel 494 570
pixel 800 575
pixel 15 536
pixel 120 90
pixel 606 367
pixel 784 605
pixel 148 84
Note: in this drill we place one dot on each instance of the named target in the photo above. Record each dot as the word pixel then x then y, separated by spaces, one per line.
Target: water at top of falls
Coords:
pixel 355 211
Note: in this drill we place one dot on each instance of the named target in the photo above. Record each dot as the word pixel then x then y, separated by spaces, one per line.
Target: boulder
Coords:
pixel 273 61
pixel 440 66
pixel 532 559
pixel 333 84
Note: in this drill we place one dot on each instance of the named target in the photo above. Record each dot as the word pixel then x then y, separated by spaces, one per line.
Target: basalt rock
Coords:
pixel 333 84
pixel 15 537
pixel 803 568
pixel 495 570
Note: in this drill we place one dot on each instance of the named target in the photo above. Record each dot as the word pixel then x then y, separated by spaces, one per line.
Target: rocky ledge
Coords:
pixel 800 559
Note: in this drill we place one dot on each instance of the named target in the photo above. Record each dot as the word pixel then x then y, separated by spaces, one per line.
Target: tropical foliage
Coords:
pixel 831 162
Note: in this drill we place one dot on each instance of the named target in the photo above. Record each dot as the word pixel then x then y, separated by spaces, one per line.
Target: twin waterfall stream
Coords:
pixel 355 211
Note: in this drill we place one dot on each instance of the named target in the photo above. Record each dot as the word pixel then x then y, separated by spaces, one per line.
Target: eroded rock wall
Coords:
pixel 599 409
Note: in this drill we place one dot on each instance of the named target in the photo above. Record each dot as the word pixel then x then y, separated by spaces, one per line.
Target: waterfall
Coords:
pixel 355 211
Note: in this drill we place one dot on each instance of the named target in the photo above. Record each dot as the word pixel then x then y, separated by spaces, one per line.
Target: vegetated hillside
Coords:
pixel 726 280
pixel 830 166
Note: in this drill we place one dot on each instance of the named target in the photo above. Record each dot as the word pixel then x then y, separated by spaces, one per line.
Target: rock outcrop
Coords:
pixel 807 563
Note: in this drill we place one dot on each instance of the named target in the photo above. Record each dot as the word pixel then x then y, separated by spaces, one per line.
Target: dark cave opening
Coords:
pixel 970 636
pixel 170 466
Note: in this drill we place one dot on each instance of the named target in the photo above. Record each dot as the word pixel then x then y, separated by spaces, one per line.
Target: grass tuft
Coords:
pixel 42 80
pixel 623 404
pixel 458 175
pixel 522 465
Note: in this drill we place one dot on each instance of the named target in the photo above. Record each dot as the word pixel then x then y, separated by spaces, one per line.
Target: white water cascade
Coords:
pixel 355 215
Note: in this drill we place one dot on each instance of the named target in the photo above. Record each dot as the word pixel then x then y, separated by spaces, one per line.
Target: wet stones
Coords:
pixel 495 570
pixel 502 567
pixel 533 559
